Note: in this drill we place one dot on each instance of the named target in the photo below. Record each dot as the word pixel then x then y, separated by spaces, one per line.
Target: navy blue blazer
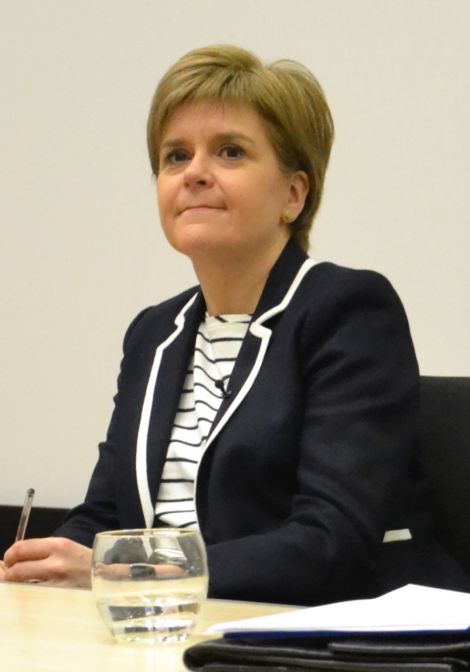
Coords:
pixel 308 488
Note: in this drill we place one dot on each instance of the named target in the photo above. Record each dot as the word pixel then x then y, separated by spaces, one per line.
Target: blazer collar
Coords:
pixel 280 279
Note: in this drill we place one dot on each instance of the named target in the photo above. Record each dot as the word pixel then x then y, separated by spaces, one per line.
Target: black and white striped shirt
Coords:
pixel 218 343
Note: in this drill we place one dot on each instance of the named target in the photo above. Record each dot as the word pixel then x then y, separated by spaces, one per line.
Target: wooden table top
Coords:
pixel 45 629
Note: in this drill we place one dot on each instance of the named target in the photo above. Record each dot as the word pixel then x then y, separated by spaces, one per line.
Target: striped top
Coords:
pixel 217 345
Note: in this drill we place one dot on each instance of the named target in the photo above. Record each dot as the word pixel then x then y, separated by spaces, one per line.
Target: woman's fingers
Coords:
pixel 28 549
pixel 53 560
pixel 35 570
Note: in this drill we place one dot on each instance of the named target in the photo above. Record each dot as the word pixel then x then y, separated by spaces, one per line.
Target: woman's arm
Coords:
pixel 360 399
pixel 99 510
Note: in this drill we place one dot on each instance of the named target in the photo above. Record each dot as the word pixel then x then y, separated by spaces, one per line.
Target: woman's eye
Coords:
pixel 176 156
pixel 232 152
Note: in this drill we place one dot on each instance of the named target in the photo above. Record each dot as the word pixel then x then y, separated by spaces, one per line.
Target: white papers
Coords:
pixel 408 609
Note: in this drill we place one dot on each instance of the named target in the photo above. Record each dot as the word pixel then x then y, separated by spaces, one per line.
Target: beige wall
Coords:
pixel 81 246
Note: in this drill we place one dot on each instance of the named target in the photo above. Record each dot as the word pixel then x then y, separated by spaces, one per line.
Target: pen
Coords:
pixel 28 503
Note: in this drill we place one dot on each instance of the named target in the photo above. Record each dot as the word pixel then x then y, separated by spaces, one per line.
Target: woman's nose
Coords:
pixel 198 173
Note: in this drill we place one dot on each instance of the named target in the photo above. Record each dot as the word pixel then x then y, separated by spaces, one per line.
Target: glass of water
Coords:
pixel 149 584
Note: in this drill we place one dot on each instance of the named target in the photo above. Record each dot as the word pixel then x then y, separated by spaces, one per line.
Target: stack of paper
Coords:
pixel 408 609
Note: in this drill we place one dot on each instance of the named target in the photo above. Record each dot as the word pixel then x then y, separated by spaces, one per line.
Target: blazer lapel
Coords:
pixel 161 400
pixel 282 283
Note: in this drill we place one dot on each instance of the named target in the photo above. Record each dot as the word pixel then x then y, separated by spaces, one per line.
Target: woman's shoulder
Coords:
pixel 353 311
pixel 328 270
pixel 335 281
pixel 342 294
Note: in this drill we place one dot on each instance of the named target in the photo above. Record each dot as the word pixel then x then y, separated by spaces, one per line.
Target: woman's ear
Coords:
pixel 298 190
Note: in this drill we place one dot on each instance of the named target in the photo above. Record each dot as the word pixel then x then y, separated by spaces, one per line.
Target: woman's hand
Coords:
pixel 2 570
pixel 54 561
pixel 120 571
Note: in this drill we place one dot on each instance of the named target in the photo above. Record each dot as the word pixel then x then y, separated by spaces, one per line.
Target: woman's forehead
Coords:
pixel 216 117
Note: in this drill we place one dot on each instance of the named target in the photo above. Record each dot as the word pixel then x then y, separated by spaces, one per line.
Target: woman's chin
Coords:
pixel 196 244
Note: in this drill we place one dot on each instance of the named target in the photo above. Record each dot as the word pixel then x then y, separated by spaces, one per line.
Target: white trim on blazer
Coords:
pixel 142 436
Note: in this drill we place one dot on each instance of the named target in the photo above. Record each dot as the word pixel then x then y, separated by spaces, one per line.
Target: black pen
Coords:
pixel 28 503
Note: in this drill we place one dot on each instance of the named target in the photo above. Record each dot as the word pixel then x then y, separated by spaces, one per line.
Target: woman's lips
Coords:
pixel 194 209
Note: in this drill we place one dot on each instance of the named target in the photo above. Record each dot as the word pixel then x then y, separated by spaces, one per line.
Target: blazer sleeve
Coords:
pixel 360 385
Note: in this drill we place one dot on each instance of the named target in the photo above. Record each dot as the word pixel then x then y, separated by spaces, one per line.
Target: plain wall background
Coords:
pixel 82 252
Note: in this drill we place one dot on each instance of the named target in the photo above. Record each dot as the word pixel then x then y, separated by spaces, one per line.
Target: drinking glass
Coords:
pixel 149 584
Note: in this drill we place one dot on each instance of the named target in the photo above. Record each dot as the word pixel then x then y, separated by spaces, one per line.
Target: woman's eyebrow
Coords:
pixel 171 143
pixel 234 137
pixel 227 136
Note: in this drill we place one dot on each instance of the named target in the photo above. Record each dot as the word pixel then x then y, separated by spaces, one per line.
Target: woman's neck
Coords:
pixel 233 286
pixel 225 295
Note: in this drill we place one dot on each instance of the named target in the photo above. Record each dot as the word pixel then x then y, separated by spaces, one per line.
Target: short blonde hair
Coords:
pixel 285 94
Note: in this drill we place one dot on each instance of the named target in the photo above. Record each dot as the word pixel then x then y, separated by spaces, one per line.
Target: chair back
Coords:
pixel 444 434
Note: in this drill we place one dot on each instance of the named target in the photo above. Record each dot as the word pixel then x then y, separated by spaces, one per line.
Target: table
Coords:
pixel 45 629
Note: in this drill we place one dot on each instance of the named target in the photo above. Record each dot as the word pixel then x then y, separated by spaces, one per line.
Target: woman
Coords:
pixel 273 406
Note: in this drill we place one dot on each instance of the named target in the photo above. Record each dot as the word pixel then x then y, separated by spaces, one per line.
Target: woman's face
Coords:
pixel 220 188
